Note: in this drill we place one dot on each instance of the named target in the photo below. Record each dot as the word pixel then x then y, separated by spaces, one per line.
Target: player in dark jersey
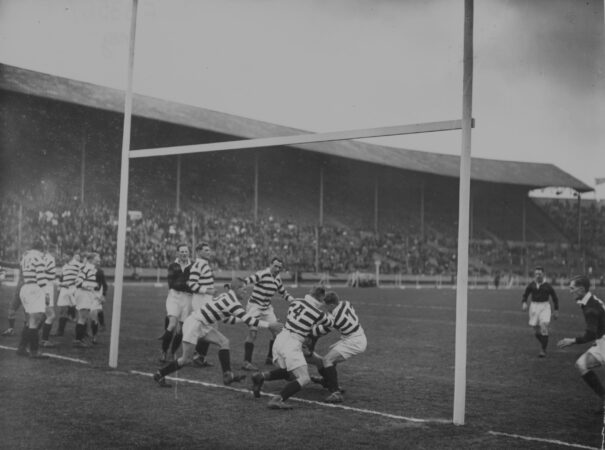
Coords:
pixel 594 316
pixel 178 302
pixel 541 293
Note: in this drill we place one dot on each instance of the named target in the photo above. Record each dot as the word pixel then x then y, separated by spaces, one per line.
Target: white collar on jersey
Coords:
pixel 584 299
pixel 312 300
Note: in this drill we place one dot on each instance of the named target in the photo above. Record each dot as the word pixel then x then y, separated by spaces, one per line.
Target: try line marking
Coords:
pixel 52 355
pixel 329 405
pixel 548 441
pixel 301 400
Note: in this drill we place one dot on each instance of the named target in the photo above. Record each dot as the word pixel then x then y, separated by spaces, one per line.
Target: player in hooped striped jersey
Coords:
pixel 67 293
pixel 200 326
pixel 302 316
pixel 50 271
pixel 201 283
pixel 33 297
pixel 352 342
pixel 267 283
pixel 86 284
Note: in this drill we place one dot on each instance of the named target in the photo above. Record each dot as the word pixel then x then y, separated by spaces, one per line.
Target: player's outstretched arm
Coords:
pixel 566 342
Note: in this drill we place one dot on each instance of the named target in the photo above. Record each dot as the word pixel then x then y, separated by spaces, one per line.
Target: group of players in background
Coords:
pixel 81 294
pixel 194 308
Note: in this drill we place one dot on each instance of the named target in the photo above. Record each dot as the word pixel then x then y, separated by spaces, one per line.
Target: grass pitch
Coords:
pixel 399 393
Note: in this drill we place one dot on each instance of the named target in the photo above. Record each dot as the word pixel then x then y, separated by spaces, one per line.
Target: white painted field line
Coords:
pixel 311 402
pixel 52 355
pixel 547 441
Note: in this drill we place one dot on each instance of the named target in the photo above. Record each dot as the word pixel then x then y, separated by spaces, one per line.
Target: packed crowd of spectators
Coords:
pixel 592 217
pixel 242 243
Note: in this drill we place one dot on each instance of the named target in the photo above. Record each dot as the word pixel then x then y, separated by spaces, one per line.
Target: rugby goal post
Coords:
pixel 464 193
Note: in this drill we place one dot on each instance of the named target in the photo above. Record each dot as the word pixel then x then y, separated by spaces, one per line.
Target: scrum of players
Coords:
pixel 194 309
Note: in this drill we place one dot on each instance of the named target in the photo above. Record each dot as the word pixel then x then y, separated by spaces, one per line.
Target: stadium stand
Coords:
pixel 395 206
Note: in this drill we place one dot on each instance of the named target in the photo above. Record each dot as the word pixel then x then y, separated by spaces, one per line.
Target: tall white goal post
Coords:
pixel 465 125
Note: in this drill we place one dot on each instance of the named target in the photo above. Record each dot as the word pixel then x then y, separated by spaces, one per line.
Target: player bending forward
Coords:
pixel 288 355
pixel 593 311
pixel 352 342
pixel 201 325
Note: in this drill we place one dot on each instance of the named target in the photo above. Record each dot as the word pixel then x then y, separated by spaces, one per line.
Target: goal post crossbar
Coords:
pixel 466 124
pixel 307 138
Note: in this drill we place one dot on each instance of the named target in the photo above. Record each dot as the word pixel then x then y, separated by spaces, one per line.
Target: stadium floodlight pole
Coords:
pixel 463 220
pixel 123 208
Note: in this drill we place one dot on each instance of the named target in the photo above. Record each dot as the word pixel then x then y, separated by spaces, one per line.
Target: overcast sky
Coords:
pixel 328 65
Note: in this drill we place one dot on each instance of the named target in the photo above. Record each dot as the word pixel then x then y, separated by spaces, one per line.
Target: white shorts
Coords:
pixel 33 298
pixel 178 304
pixel 199 300
pixel 67 296
pixel 287 351
pixel 97 301
pixel 266 314
pixel 351 345
pixel 193 330
pixel 598 350
pixel 84 299
pixel 50 290
pixel 539 313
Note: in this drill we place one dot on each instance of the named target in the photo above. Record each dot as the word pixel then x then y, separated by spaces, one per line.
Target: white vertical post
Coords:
pixel 122 213
pixel 376 205
pixel 178 184
pixel 422 209
pixel 463 220
pixel 377 266
pixel 321 196
pixel 20 232
pixel 83 167
pixel 255 187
